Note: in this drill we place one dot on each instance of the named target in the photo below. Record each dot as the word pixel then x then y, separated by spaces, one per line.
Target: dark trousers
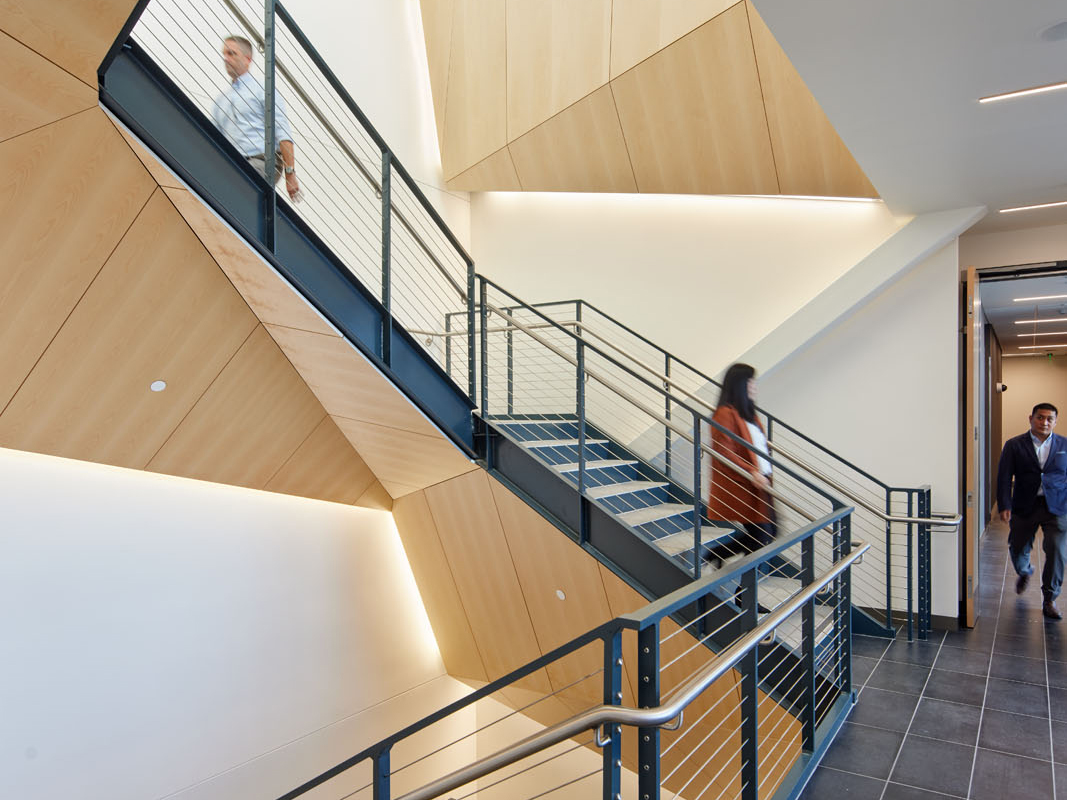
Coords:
pixel 1023 528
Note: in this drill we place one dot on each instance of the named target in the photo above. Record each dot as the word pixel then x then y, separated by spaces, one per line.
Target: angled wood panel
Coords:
pixel 404 459
pixel 493 173
pixel 159 310
pixel 440 597
pixel 476 105
pixel 75 34
pixel 35 91
pixel 640 28
pixel 437 33
pixel 68 192
pixel 160 174
pixel 250 420
pixel 693 114
pixel 810 157
pixel 477 554
pixel 557 53
pixel 581 149
pixel 376 496
pixel 325 467
pixel 346 383
pixel 270 297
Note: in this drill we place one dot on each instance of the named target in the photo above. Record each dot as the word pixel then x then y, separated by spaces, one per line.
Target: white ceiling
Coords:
pixel 900 81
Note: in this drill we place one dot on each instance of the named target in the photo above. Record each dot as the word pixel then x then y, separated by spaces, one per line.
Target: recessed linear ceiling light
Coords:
pixel 1037 321
pixel 1048 87
pixel 1046 333
pixel 1046 297
pixel 1031 208
pixel 1040 346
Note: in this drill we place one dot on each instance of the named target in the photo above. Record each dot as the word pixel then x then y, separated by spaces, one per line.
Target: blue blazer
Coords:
pixel 1019 461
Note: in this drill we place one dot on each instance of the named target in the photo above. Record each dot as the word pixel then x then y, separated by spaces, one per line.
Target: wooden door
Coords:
pixel 973 515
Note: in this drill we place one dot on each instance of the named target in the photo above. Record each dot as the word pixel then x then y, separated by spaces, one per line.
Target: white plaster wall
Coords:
pixel 1005 248
pixel 881 389
pixel 168 637
pixel 705 277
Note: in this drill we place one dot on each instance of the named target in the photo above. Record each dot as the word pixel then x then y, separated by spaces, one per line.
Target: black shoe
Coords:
pixel 1048 608
pixel 1021 583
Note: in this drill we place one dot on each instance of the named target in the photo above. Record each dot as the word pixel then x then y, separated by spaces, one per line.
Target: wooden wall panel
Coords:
pixel 325 467
pixel 640 28
pixel 404 460
pixel 557 53
pixel 35 91
pixel 346 383
pixel 477 553
pixel 476 105
pixel 68 193
pixel 437 33
pixel 810 157
pixel 376 496
pixel 581 149
pixel 496 172
pixel 159 309
pixel 693 114
pixel 251 419
pixel 75 34
pixel 271 297
pixel 442 600
pixel 160 174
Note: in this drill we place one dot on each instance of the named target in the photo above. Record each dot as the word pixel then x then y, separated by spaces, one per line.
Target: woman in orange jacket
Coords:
pixel 741 496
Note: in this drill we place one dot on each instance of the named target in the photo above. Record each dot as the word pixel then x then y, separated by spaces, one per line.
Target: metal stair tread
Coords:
pixel 640 516
pixel 774 590
pixel 682 541
pixel 533 444
pixel 623 487
pixel 597 464
pixel 789 633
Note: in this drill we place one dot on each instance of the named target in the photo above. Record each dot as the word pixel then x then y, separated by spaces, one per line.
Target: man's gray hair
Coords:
pixel 242 42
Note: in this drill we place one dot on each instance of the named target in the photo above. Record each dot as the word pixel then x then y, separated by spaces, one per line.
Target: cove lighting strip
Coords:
pixel 1045 297
pixel 1031 208
pixel 1049 87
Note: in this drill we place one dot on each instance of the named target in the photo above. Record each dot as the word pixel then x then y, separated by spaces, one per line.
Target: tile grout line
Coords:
pixel 989 671
pixel 1048 687
pixel 911 720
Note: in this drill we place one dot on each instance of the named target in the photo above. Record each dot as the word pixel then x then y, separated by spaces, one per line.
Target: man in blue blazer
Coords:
pixel 1037 497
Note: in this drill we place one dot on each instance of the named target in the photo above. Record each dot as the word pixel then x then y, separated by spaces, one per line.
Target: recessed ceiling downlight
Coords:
pixel 158 386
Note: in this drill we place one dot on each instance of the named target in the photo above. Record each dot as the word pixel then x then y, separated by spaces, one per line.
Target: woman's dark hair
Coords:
pixel 735 391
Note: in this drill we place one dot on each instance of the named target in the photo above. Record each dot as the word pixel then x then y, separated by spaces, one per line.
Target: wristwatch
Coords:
pixel 288 170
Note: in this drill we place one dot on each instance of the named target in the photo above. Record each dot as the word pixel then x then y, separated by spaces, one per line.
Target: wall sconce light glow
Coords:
pixel 158 386
pixel 1041 346
pixel 1049 87
pixel 1037 321
pixel 1031 208
pixel 1046 297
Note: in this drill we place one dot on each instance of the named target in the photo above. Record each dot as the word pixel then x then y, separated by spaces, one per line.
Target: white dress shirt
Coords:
pixel 240 115
pixel 1042 449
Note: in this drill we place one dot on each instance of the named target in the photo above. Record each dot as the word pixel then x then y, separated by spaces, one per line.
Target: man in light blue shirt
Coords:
pixel 240 114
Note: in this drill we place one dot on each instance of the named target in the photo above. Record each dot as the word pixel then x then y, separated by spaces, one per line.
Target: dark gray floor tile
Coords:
pixel 1013 733
pixel 998 776
pixel 1061 779
pixel 828 782
pixel 1055 648
pixel 1018 698
pixel 870 646
pixel 884 709
pixel 917 652
pixel 951 722
pixel 863 750
pixel 1059 742
pixel 897 791
pixel 1017 668
pixel 1057 674
pixel 1031 646
pixel 976 638
pixel 935 765
pixel 1058 698
pixel 973 662
pixel 862 668
pixel 899 677
pixel 958 687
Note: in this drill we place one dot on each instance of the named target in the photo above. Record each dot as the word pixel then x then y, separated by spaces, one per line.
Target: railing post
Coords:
pixel 613 697
pixel 511 365
pixel 483 300
pixel 924 564
pixel 667 414
pixel 748 667
pixel 381 775
pixel 842 547
pixel 448 344
pixel 909 569
pixel 270 145
pixel 889 560
pixel 387 291
pixel 697 504
pixel 472 377
pixel 648 697
pixel 807 647
pixel 583 503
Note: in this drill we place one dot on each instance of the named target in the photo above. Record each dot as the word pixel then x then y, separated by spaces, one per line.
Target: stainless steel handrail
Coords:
pixel 610 384
pixel 676 703
pixel 257 37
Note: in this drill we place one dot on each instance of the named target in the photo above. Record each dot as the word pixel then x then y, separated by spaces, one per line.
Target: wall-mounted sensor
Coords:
pixel 1001 387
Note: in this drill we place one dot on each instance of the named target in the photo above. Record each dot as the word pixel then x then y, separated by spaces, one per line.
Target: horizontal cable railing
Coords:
pixel 661 715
